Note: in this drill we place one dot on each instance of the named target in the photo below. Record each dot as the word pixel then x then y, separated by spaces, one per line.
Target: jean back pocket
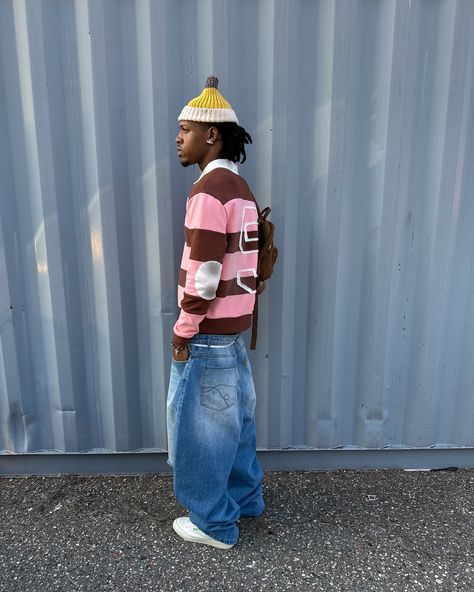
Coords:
pixel 219 386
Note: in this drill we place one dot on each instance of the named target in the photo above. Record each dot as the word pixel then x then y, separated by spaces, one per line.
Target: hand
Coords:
pixel 181 356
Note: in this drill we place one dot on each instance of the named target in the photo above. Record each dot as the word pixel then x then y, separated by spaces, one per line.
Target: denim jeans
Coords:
pixel 211 435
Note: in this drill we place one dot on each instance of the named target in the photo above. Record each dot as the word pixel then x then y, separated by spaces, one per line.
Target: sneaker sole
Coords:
pixel 187 537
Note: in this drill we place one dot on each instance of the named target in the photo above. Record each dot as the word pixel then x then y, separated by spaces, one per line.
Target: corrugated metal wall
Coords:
pixel 362 115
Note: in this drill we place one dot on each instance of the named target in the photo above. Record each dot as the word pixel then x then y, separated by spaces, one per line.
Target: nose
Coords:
pixel 178 139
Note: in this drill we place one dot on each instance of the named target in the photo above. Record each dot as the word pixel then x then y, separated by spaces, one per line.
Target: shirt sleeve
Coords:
pixel 206 243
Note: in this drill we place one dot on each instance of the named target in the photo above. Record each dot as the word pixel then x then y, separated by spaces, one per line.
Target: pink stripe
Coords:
pixel 230 266
pixel 190 288
pixel 187 324
pixel 206 212
pixel 185 257
pixel 231 306
pixel 238 208
pixel 235 261
pixel 228 307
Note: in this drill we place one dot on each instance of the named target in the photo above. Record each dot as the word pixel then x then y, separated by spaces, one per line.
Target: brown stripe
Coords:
pixel 233 242
pixel 226 287
pixel 224 185
pixel 225 326
pixel 232 288
pixel 182 277
pixel 206 245
pixel 194 304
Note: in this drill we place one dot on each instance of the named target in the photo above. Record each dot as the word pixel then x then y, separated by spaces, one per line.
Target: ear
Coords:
pixel 212 135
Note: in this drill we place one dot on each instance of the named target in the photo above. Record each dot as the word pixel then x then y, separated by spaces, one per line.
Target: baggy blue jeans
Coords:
pixel 211 435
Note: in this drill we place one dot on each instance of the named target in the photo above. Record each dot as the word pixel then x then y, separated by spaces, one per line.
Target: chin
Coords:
pixel 184 162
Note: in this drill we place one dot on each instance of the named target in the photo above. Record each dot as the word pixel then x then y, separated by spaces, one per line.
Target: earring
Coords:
pixel 209 141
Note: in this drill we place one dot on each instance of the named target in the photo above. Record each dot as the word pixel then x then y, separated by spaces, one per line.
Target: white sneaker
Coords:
pixel 190 532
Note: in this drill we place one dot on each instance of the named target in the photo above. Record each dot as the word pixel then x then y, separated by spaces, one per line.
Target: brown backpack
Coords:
pixel 267 256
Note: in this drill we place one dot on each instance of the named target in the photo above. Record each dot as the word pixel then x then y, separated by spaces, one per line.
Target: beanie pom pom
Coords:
pixel 212 81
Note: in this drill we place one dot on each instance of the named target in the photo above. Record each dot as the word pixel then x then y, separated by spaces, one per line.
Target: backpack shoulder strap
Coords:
pixel 262 214
pixel 253 341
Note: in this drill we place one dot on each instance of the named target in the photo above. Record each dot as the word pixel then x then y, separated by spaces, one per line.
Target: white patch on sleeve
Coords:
pixel 207 279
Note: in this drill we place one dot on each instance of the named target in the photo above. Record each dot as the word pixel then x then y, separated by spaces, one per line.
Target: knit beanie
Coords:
pixel 209 107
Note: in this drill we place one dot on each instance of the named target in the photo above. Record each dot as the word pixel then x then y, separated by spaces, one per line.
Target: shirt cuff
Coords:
pixel 180 341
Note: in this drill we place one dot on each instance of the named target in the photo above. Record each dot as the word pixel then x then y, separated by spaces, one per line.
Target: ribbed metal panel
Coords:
pixel 362 115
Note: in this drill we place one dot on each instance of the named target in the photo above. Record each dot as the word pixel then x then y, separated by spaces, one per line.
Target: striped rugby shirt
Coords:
pixel 217 279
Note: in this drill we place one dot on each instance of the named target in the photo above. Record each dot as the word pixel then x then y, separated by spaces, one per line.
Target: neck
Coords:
pixel 213 154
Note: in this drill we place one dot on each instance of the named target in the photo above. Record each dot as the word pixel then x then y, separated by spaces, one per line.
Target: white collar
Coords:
pixel 219 163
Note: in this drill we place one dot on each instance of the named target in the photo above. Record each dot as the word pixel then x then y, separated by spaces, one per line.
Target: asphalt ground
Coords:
pixel 358 531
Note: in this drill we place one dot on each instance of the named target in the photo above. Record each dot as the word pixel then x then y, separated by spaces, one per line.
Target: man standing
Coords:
pixel 211 398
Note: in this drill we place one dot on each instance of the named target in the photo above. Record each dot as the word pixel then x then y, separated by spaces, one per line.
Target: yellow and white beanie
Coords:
pixel 209 107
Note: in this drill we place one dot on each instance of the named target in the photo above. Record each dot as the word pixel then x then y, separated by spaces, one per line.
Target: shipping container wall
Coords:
pixel 362 119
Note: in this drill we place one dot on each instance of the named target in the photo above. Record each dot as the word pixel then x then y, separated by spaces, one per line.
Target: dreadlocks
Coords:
pixel 234 139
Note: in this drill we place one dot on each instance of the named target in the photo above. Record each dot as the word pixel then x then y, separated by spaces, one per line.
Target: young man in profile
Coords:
pixel 211 398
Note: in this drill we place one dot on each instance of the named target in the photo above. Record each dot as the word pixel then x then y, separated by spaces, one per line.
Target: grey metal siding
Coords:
pixel 362 115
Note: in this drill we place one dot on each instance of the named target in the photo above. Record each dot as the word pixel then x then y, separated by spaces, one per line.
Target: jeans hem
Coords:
pixel 225 541
pixel 198 523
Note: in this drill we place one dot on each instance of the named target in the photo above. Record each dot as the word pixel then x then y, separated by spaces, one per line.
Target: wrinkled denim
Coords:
pixel 211 436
